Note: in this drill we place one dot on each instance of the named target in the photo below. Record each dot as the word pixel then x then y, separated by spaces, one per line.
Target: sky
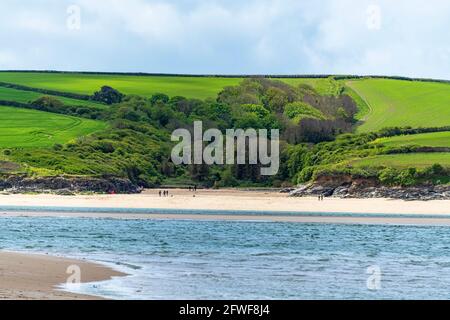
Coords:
pixel 374 37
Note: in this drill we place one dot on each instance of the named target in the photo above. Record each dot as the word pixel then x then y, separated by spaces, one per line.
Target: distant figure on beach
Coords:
pixel 160 193
pixel 195 188
pixel 190 188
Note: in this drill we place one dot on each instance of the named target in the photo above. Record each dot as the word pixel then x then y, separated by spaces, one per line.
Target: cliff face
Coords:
pixel 66 185
pixel 346 187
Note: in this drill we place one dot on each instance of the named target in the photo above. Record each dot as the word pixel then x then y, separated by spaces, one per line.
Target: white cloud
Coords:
pixel 230 36
pixel 35 23
pixel 7 59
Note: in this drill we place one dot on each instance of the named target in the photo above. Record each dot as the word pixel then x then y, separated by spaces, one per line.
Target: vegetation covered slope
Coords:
pixel 21 128
pixel 137 145
pixel 10 94
pixel 398 103
pixel 434 139
pixel 328 127
pixel 407 160
pixel 189 87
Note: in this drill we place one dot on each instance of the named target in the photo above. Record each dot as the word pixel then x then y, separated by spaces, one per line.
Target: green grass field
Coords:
pixel 363 108
pixel 434 139
pixel 407 160
pixel 382 103
pixel 30 128
pixel 403 103
pixel 10 94
pixel 190 87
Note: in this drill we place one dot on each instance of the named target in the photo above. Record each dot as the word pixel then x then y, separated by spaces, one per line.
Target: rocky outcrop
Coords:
pixel 361 188
pixel 66 185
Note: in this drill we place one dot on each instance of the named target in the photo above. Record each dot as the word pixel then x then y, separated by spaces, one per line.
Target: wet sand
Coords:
pixel 37 277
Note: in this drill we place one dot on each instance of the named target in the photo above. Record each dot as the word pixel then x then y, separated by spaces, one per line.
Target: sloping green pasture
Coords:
pixel 22 96
pixel 403 161
pixel 399 103
pixel 434 139
pixel 190 87
pixel 30 128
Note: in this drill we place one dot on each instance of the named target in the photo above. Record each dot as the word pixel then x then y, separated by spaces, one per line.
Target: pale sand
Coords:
pixel 31 277
pixel 231 200
pixel 237 200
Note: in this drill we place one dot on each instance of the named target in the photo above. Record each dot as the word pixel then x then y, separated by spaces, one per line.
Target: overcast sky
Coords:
pixel 386 37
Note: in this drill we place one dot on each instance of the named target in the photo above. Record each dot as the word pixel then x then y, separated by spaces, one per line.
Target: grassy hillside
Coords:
pixel 10 94
pixel 435 139
pixel 30 128
pixel 312 122
pixel 403 103
pixel 189 87
pixel 363 108
pixel 404 161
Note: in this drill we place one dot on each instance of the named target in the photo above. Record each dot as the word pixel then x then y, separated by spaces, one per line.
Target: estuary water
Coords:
pixel 186 259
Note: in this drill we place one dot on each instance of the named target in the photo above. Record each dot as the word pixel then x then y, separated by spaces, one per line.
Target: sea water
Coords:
pixel 185 259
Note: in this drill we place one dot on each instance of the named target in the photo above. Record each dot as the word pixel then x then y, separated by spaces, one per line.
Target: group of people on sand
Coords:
pixel 321 197
pixel 163 193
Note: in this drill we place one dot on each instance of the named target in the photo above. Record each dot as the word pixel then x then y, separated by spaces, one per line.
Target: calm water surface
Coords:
pixel 175 259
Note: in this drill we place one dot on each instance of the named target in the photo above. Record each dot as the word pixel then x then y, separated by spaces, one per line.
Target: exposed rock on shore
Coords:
pixel 362 188
pixel 66 185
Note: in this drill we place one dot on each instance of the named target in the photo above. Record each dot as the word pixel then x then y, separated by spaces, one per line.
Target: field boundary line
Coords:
pixel 363 98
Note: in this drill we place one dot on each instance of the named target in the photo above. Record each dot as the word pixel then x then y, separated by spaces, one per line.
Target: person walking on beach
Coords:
pixel 160 193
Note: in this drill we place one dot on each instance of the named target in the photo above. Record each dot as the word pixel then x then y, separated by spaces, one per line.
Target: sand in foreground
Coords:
pixel 31 277
pixel 231 200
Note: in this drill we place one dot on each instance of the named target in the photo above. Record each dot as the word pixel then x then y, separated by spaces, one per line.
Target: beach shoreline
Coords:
pixel 227 205
pixel 29 276
pixel 228 200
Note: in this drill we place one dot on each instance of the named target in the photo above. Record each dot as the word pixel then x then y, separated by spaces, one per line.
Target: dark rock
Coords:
pixel 66 185
pixel 287 190
pixel 368 189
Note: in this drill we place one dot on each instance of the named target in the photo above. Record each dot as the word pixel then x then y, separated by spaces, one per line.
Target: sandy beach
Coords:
pixel 236 200
pixel 36 277
pixel 240 202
